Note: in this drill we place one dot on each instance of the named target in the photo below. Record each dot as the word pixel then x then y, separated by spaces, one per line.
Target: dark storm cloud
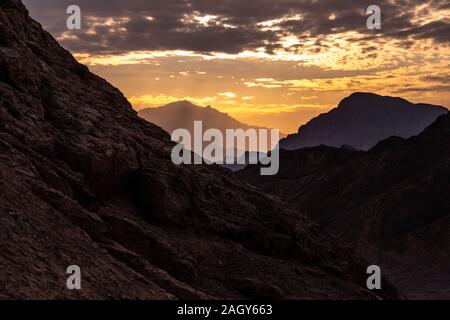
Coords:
pixel 437 30
pixel 236 27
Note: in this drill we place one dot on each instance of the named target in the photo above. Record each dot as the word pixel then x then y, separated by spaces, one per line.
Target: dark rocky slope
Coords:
pixel 362 120
pixel 391 203
pixel 85 181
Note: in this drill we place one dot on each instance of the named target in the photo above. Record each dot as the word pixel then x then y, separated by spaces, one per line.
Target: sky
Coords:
pixel 272 63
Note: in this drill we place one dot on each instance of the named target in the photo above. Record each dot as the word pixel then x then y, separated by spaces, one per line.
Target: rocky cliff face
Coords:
pixel 362 120
pixel 86 182
pixel 391 203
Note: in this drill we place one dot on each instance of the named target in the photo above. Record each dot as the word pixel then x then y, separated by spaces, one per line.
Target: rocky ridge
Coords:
pixel 86 182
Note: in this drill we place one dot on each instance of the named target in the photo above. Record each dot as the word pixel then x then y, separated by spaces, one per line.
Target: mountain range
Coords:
pixel 85 181
pixel 391 203
pixel 362 120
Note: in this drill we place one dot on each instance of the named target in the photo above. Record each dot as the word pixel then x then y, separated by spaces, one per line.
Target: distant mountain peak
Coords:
pixel 187 112
pixel 182 103
pixel 368 99
pixel 363 119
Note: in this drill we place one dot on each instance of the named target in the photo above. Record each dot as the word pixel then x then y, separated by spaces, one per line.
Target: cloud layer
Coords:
pixel 274 63
pixel 233 26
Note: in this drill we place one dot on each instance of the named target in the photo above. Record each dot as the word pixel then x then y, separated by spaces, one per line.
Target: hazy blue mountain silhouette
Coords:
pixel 182 114
pixel 362 120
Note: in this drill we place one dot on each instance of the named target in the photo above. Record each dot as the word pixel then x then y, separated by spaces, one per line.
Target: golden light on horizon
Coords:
pixel 285 81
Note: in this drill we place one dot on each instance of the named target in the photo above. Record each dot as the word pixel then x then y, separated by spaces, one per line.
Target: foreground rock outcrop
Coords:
pixel 86 182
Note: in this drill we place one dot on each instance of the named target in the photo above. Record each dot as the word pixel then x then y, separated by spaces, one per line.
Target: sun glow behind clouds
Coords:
pixel 252 87
pixel 283 64
pixel 196 19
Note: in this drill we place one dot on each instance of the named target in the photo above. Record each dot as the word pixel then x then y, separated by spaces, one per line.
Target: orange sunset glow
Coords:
pixel 300 62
